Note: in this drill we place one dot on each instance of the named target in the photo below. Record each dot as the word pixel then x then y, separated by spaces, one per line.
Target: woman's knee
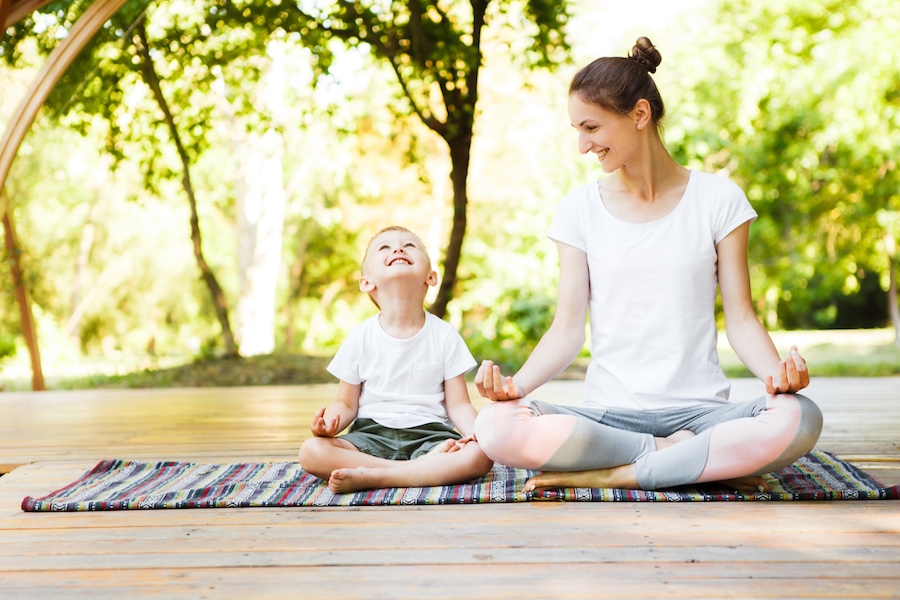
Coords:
pixel 486 424
pixel 500 432
pixel 810 426
pixel 799 427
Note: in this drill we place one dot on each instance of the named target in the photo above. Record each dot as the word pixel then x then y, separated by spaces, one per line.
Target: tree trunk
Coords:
pixel 459 172
pixel 893 308
pixel 260 219
pixel 215 290
pixel 29 331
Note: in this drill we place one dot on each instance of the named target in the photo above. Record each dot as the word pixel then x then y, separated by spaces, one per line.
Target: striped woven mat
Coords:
pixel 121 484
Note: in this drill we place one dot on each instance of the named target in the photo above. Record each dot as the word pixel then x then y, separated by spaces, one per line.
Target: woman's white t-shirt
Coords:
pixel 402 379
pixel 653 293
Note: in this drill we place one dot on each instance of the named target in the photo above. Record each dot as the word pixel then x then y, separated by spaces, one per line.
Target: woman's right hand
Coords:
pixel 493 386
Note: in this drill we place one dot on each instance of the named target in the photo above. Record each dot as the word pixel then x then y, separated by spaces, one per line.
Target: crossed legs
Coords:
pixel 577 448
pixel 347 469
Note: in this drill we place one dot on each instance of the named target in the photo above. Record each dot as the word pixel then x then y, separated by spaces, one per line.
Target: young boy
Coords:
pixel 402 378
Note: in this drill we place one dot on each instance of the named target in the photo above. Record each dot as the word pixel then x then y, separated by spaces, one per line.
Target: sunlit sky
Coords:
pixel 599 26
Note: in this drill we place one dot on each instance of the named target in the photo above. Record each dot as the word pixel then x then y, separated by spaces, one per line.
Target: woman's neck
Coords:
pixel 653 175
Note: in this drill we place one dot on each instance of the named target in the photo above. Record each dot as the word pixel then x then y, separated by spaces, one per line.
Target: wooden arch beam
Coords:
pixel 54 67
pixel 21 9
pixel 19 124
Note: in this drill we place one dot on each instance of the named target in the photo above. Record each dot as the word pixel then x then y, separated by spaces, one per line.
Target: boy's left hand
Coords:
pixel 322 428
pixel 791 377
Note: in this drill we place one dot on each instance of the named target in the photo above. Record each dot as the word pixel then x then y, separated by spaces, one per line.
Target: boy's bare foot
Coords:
pixel 615 477
pixel 678 436
pixel 343 481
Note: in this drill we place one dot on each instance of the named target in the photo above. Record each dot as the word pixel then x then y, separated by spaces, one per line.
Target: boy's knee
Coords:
pixel 310 451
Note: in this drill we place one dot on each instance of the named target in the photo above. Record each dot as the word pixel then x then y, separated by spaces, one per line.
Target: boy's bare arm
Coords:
pixel 330 421
pixel 459 405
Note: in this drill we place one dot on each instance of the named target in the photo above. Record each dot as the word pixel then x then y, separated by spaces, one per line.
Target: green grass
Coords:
pixel 857 353
pixel 844 353
pixel 271 369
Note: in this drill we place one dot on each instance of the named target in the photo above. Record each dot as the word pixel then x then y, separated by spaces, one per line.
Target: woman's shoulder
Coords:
pixel 581 196
pixel 717 193
pixel 715 184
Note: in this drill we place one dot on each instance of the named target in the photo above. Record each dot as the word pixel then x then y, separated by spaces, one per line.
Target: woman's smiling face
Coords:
pixel 612 137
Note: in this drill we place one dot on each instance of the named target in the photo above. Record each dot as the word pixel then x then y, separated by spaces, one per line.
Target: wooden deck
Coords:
pixel 534 550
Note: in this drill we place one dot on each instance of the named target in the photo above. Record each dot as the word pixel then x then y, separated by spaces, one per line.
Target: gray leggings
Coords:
pixel 607 437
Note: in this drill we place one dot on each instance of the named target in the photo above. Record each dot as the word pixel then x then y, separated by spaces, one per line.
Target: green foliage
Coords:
pixel 7 346
pixel 508 331
pixel 798 102
pixel 275 369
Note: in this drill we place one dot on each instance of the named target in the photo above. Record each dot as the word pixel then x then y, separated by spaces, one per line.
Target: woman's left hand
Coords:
pixel 791 377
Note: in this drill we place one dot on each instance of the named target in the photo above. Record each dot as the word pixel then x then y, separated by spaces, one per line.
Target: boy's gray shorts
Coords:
pixel 660 423
pixel 397 444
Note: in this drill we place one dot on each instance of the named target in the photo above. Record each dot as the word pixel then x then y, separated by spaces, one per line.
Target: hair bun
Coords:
pixel 646 54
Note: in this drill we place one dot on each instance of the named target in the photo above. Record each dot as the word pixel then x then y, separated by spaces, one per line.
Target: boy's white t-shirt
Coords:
pixel 402 380
pixel 653 293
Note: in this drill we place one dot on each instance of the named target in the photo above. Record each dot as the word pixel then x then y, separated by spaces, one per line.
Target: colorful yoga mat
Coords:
pixel 123 485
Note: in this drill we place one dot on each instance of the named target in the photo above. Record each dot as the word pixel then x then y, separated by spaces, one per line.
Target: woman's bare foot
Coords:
pixel 616 477
pixel 678 436
pixel 751 483
pixel 343 481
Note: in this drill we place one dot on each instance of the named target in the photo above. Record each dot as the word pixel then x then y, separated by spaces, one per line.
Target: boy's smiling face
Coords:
pixel 396 255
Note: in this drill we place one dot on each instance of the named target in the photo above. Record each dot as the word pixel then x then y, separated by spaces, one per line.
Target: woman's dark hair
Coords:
pixel 616 83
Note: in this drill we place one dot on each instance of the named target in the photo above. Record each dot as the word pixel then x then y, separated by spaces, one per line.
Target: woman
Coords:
pixel 643 250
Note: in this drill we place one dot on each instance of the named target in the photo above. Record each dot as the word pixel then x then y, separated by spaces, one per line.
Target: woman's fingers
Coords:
pixel 499 384
pixel 484 380
pixel 791 377
pixel 797 371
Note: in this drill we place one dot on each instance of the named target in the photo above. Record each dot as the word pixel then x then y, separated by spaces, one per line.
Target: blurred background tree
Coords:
pixel 797 101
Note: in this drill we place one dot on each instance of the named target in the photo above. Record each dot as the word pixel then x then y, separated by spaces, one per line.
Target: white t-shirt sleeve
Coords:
pixel 345 364
pixel 457 358
pixel 731 208
pixel 568 225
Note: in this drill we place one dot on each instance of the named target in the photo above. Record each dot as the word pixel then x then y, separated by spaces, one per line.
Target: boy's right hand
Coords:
pixel 493 386
pixel 322 428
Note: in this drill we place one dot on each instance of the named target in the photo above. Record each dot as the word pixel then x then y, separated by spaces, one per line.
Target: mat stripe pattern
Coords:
pixel 124 485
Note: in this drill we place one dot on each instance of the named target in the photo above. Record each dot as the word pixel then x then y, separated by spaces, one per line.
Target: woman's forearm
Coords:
pixel 556 350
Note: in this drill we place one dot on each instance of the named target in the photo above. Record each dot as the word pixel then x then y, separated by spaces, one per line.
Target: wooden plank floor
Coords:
pixel 533 550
